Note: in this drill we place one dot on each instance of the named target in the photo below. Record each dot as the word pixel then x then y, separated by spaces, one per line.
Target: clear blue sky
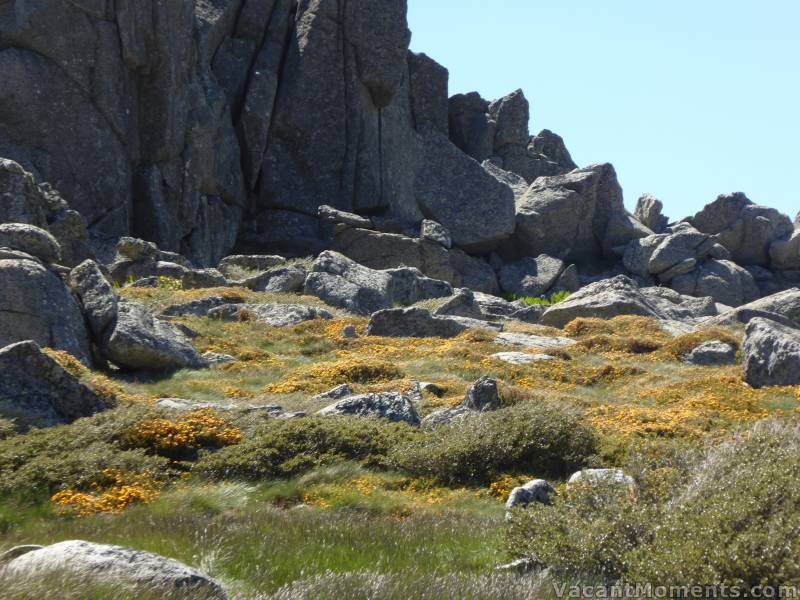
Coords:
pixel 688 99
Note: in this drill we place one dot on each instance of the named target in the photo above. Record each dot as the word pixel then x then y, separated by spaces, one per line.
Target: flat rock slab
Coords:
pixel 521 358
pixel 528 340
pixel 274 315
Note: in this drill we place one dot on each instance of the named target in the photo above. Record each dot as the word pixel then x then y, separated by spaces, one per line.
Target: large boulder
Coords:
pixel 649 213
pixel 35 304
pixel 456 191
pixel 344 283
pixel 746 229
pixel 388 250
pixel 782 305
pixel 771 353
pixel 711 353
pixel 723 280
pixel 569 216
pixel 279 280
pixel 785 254
pixel 482 395
pixel 96 296
pixel 537 490
pixel 140 341
pixel 35 391
pixel 113 566
pixel 392 406
pixel 531 277
pixel 32 240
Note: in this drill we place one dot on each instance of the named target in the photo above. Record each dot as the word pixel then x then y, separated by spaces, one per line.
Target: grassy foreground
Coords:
pixel 348 508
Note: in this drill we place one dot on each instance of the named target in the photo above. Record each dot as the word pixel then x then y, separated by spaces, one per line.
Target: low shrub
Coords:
pixel 544 438
pixel 554 298
pixel 287 448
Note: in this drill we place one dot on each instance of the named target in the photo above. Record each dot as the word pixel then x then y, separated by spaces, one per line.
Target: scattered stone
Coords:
pixel 140 341
pixel 31 240
pixel 197 308
pixel 521 358
pixel 482 395
pixel 435 232
pixel 771 353
pixel 337 393
pixel 418 322
pixel 714 353
pixel 274 315
pixel 528 340
pixel 35 391
pixel 392 406
pixel 115 566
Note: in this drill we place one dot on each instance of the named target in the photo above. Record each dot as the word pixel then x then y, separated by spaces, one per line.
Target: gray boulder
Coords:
pixel 388 250
pixel 337 393
pixel 785 254
pixel 429 102
pixel 714 352
pixel 445 416
pixel 200 279
pixel 31 240
pixel 343 283
pixel 418 322
pixel 649 213
pixel 771 353
pixel 330 214
pixel 568 215
pixel 96 296
pixel 746 229
pixel 482 395
pixel 274 315
pixel 614 478
pixel 114 566
pixel 392 406
pixel 456 191
pixel 528 340
pixel 782 305
pixel 537 490
pixel 140 341
pixel 435 232
pixel 723 280
pixel 196 308
pixel 35 391
pixel 531 276
pixel 35 304
pixel 276 281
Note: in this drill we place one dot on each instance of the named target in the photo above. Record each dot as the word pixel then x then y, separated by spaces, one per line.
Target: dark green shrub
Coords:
pixel 547 439
pixel 287 448
pixel 42 461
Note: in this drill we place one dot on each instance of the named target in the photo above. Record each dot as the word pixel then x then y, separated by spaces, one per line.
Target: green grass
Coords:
pixel 554 298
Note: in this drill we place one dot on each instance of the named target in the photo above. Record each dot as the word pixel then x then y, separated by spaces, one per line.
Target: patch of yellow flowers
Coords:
pixel 200 428
pixel 116 492
pixel 322 376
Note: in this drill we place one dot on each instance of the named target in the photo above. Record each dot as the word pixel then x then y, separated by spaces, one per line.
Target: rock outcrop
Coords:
pixel 771 353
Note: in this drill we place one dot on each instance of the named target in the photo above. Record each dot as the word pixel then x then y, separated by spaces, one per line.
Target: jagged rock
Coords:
pixel 31 240
pixel 785 254
pixel 331 215
pixel 141 250
pixel 531 276
pixel 337 393
pixel 521 358
pixel 482 395
pixel 429 87
pixel 537 490
pixel 418 322
pixel 649 213
pixel 469 127
pixel 744 228
pixel 552 146
pixel 771 353
pixel 434 232
pixel 96 296
pixel 724 281
pixel 23 200
pixel 35 304
pixel 197 308
pixel 343 283
pixel 528 340
pixel 274 315
pixel 231 265
pixel 280 280
pixel 113 566
pixel 454 190
pixel 35 391
pixel 714 352
pixel 621 229
pixel 392 406
pixel 676 252
pixel 785 304
pixel 516 182
pixel 386 250
pixel 568 215
pixel 139 341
